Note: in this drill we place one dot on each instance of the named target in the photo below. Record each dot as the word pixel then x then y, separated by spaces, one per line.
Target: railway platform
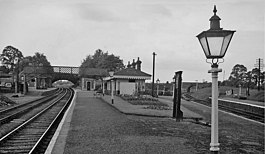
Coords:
pixel 244 101
pixel 57 144
pixel 249 137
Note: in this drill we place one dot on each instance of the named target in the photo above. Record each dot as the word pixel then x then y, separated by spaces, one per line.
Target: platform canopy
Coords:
pixel 130 73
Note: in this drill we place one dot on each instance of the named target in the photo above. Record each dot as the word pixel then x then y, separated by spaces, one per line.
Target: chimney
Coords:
pixel 138 64
pixel 129 65
pixel 133 64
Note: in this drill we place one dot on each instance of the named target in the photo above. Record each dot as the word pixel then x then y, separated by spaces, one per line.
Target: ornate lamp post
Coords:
pixel 16 63
pixel 103 87
pixel 111 86
pixel 157 86
pixel 215 42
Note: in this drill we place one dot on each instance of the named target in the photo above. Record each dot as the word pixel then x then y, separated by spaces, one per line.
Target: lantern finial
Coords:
pixel 215 21
pixel 214 10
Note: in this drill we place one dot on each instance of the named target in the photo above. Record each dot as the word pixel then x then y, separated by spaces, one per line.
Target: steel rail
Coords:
pixel 6 116
pixel 19 105
pixel 57 118
pixel 243 113
pixel 29 120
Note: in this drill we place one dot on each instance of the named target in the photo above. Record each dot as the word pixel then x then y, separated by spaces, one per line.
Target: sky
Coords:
pixel 67 31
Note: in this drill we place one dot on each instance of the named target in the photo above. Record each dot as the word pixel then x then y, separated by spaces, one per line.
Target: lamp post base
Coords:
pixel 214 147
pixel 112 101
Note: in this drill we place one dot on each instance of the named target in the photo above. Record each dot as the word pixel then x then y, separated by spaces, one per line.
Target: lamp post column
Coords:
pixel 157 90
pixel 112 86
pixel 103 87
pixel 17 82
pixel 24 86
pixel 16 89
pixel 111 73
pixel 214 115
pixel 240 90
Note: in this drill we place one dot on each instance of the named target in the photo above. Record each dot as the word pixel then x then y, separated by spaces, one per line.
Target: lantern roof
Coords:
pixel 215 21
pixel 215 41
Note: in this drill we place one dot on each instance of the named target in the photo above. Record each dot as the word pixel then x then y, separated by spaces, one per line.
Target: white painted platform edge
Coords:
pixel 58 130
pixel 232 114
pixel 258 106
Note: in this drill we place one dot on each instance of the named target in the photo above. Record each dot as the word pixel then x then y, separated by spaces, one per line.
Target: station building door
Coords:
pixel 88 85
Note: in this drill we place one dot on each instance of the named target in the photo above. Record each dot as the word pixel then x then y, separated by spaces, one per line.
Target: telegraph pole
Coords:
pixel 153 80
pixel 259 76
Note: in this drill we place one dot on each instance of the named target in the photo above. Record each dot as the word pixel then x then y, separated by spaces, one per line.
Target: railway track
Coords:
pixel 237 111
pixel 8 114
pixel 32 135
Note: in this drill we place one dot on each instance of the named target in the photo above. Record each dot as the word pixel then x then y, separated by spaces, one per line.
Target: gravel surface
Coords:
pixel 7 127
pixel 96 127
pixel 18 100
pixel 236 135
pixel 4 128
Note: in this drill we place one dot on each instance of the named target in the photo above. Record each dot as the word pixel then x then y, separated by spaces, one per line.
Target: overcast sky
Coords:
pixel 66 31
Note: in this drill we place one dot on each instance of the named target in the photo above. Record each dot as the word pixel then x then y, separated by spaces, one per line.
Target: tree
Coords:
pixel 38 60
pixel 102 60
pixel 111 62
pixel 98 59
pixel 249 83
pixel 10 56
pixel 238 75
pixel 255 75
pixel 4 69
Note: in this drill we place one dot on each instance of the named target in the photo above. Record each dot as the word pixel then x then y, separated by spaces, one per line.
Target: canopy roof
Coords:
pixel 130 73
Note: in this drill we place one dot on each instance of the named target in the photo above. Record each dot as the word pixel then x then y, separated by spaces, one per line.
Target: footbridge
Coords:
pixel 44 76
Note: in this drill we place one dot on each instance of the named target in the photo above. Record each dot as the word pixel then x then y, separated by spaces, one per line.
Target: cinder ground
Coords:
pixel 98 127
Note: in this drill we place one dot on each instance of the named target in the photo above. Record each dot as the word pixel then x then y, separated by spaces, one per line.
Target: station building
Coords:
pixel 36 77
pixel 130 80
pixel 6 81
pixel 92 78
